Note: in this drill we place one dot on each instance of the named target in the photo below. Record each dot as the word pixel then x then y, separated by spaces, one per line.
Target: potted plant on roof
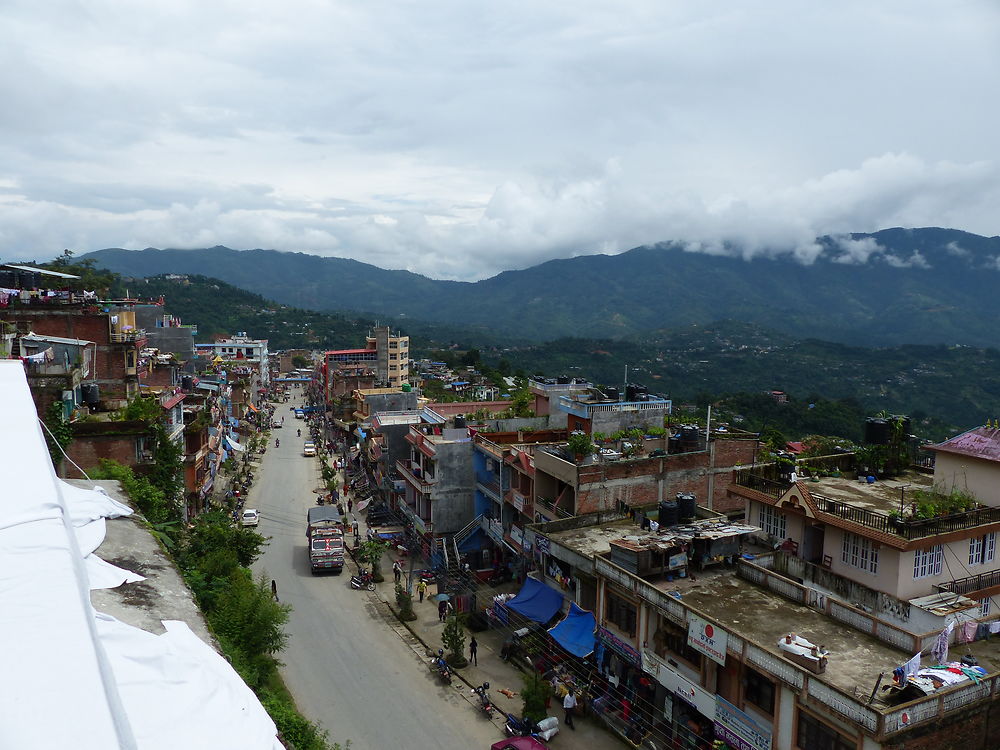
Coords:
pixel 580 445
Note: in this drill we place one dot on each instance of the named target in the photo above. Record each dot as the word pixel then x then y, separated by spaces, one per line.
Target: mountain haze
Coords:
pixel 894 286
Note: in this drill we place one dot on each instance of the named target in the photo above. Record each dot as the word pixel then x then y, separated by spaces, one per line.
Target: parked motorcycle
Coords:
pixel 520 727
pixel 439 665
pixel 485 704
pixel 364 580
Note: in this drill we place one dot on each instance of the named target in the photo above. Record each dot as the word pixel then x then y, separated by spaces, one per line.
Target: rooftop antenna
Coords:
pixel 625 387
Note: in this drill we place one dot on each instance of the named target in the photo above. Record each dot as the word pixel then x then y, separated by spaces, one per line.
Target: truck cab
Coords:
pixel 325 532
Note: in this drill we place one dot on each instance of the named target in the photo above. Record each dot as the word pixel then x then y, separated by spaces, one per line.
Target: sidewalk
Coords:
pixel 426 631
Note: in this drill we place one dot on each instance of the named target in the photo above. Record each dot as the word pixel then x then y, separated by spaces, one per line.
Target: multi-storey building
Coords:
pixel 242 349
pixel 392 363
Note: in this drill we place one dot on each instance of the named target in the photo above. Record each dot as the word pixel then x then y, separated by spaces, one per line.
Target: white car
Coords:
pixel 250 517
pixel 309 449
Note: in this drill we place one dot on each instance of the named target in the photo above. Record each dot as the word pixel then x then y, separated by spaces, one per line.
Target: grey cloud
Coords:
pixel 459 140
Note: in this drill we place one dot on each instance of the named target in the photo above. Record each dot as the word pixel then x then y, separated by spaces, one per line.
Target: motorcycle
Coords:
pixel 277 443
pixel 516 727
pixel 484 699
pixel 364 580
pixel 439 665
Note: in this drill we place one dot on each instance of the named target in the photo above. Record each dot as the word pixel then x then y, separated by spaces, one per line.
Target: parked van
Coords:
pixel 309 449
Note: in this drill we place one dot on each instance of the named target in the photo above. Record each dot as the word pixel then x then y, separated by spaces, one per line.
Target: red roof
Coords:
pixel 350 351
pixel 171 403
pixel 981 442
pixel 793 446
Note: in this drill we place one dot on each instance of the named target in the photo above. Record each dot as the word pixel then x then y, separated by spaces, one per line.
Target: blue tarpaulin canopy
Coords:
pixel 576 632
pixel 536 601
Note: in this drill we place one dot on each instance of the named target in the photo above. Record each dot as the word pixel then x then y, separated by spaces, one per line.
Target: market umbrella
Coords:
pixel 442 597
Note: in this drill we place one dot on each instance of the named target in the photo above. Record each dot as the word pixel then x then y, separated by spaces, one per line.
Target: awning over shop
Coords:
pixel 536 601
pixel 234 445
pixel 576 632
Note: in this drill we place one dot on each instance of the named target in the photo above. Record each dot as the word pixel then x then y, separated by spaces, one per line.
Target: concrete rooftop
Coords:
pixel 163 595
pixel 883 496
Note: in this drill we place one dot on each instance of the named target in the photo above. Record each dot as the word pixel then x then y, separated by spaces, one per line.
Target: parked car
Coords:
pixel 250 517
pixel 309 449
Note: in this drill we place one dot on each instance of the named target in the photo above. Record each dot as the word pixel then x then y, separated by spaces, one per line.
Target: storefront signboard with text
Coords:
pixel 737 729
pixel 709 639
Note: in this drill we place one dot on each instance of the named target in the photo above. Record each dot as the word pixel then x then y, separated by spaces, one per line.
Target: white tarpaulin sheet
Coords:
pixel 73 677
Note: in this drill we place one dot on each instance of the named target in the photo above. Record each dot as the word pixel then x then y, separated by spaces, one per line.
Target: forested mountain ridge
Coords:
pixel 896 286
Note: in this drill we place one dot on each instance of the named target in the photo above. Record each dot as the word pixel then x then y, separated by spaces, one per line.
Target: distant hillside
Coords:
pixel 946 389
pixel 920 286
pixel 218 308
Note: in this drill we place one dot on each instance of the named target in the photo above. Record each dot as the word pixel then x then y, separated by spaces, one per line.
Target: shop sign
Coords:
pixel 709 639
pixel 737 729
pixel 542 543
pixel 688 691
pixel 679 560
pixel 517 535
pixel 617 644
pixel 494 529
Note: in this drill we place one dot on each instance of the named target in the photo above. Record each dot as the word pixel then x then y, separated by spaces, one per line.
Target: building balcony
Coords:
pixel 492 489
pixel 422 526
pixel 519 501
pixel 128 337
pixel 971 585
pixel 414 476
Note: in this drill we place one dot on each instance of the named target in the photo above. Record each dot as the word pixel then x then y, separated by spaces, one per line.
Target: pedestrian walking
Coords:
pixel 473 650
pixel 274 589
pixel 442 610
pixel 569 706
pixel 421 589
pixel 350 505
pixel 397 571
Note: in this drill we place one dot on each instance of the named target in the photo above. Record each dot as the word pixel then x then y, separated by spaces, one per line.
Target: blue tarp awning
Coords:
pixel 536 601
pixel 576 632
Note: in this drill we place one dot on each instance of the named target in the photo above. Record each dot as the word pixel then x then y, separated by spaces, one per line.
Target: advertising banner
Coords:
pixel 705 637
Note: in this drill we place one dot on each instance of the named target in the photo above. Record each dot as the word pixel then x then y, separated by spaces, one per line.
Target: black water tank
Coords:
pixel 459 420
pixel 611 394
pixel 689 438
pixel 91 394
pixel 905 424
pixel 562 380
pixel 669 513
pixel 876 431
pixel 674 444
pixel 187 383
pixel 686 504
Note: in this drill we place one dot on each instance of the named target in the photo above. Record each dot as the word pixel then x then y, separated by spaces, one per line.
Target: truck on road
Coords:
pixel 325 533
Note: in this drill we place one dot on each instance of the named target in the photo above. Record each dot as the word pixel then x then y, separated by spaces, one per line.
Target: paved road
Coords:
pixel 343 664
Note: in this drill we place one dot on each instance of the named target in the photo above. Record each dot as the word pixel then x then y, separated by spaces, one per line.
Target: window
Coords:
pixel 985 605
pixel 393 356
pixel 622 613
pixel 759 690
pixel 859 552
pixel 982 549
pixel 670 638
pixel 815 735
pixel 927 562
pixel 772 521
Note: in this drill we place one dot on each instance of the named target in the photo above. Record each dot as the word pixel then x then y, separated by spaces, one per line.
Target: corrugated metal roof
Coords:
pixel 55 339
pixel 171 403
pixel 981 442
pixel 42 271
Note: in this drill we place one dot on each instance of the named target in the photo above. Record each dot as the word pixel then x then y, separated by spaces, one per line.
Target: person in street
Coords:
pixel 569 706
pixel 397 571
pixel 350 505
pixel 473 650
pixel 442 610
pixel 274 589
pixel 421 589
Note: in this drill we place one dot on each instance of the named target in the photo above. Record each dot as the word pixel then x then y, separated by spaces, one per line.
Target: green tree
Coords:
pixel 371 552
pixel 299 362
pixel 535 693
pixel 61 432
pixel 453 638
pixel 404 604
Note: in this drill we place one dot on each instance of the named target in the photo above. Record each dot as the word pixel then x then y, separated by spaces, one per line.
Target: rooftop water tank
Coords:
pixel 91 394
pixel 669 513
pixel 686 503
pixel 877 431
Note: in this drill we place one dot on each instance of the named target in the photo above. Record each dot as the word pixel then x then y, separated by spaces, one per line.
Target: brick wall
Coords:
pixel 975 729
pixel 643 482
pixel 88 450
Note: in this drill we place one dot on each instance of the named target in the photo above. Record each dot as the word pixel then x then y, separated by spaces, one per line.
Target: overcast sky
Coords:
pixel 459 139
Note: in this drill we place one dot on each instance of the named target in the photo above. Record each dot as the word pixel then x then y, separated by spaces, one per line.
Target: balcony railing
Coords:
pixel 754 481
pixel 124 337
pixel 970 584
pixel 908 528
pixel 415 476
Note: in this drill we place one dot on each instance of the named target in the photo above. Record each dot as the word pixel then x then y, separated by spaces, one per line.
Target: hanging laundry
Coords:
pixel 995 627
pixel 968 632
pixel 911 667
pixel 939 651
